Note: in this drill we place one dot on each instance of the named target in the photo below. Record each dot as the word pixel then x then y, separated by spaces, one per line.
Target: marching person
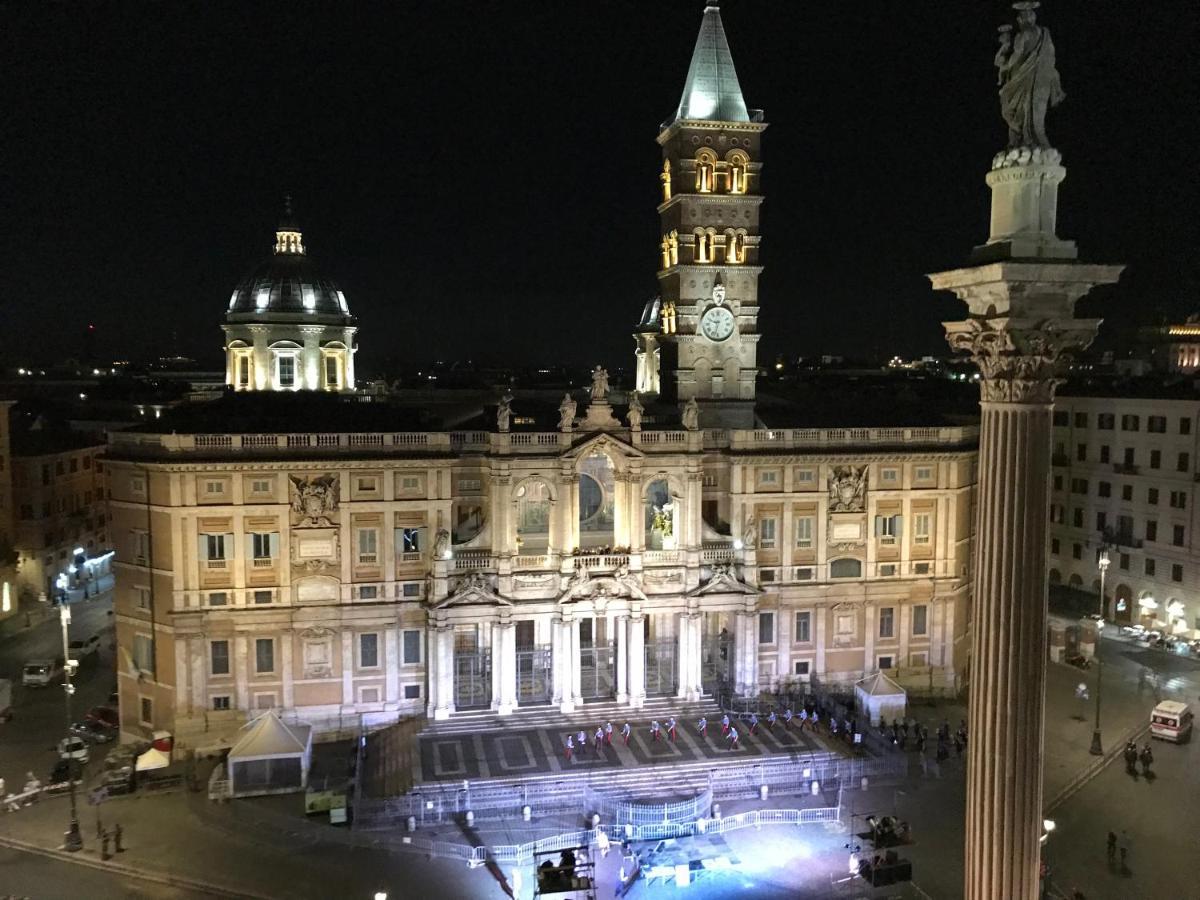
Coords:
pixel 625 731
pixel 608 733
pixel 803 718
pixel 581 739
pixel 753 723
pixel 814 720
pixel 569 747
pixel 671 728
pixel 771 720
pixel 787 718
pixel 702 727
pixel 733 738
pixel 655 729
pixel 725 724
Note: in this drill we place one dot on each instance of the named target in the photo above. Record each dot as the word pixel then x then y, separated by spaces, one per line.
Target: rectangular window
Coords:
pixel 1152 496
pixel 410 484
pixel 368 546
pixel 1177 572
pixel 143 652
pixel 263 597
pixel 412 648
pixel 263 546
pixel 260 486
pixel 411 589
pixel 218 657
pixel 1127 493
pixel 264 655
pixel 805 479
pixel 1105 453
pixel 924 473
pixel 886 662
pixel 888 528
pixel 1123 562
pixel 1156 424
pixel 142 595
pixel 803 628
pixel 890 477
pixel 1129 456
pixel 1077 517
pixel 1077 551
pixel 469 485
pixel 1081 420
pixel 766 533
pixel 1182 463
pixel 1151 530
pixel 804 573
pixel 1079 486
pixel 1104 489
pixel 367 485
pixel 887 622
pixel 800 667
pixel 411 540
pixel 1054 546
pixel 368 592
pixel 218 598
pixel 1101 520
pixel 769 477
pixel 220 702
pixel 804 532
pixel 1156 459
pixel 1185 426
pixel 1178 499
pixel 1060 418
pixel 1177 536
pixel 214 547
pixel 887 570
pixel 1130 423
pixel 287 371
pixel 368 651
pixel 766 628
pixel 1058 482
pixel 146 711
pixel 920 620
pixel 412 692
pixel 1148 567
pixel 214 487
pixel 1105 421
pixel 1081 452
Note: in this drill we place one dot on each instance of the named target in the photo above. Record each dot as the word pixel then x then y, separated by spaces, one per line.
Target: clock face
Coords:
pixel 717 323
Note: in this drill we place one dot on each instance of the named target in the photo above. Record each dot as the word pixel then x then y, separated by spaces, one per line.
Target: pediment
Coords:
pixel 585 587
pixel 606 442
pixel 473 590
pixel 724 581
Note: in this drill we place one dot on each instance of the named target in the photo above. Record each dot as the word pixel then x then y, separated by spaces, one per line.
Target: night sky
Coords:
pixel 481 178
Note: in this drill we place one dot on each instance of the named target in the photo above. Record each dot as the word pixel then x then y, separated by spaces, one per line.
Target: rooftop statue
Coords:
pixel 566 413
pixel 504 413
pixel 1028 79
pixel 599 384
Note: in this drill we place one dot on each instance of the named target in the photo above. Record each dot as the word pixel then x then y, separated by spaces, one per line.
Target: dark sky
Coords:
pixel 481 177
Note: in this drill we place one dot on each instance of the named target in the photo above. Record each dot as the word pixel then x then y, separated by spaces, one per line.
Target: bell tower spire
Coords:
pixel 702 342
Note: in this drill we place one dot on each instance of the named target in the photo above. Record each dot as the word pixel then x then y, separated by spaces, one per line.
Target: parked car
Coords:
pixel 105 715
pixel 40 672
pixel 1133 630
pixel 82 649
pixel 96 732
pixel 75 748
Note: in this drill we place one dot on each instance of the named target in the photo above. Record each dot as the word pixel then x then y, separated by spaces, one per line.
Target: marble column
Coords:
pixel 559 693
pixel 621 626
pixel 689 657
pixel 1021 298
pixel 576 669
pixel 504 663
pixel 637 661
pixel 442 676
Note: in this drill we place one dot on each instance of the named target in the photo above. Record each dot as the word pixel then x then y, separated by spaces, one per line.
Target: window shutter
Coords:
pixel 899 527
pixel 398 541
pixel 203 547
pixel 878 526
pixel 274 545
pixel 229 550
pixel 250 546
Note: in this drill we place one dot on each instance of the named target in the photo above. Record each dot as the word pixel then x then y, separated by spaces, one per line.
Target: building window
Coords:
pixel 218 657
pixel 800 667
pixel 920 620
pixel 1060 418
pixel 264 655
pixel 412 692
pixel 220 702
pixel 1177 572
pixel 766 533
pixel 368 651
pixel 260 487
pixel 1081 452
pixel 1152 496
pixel 887 570
pixel 368 546
pixel 264 547
pixel 803 633
pixel 1077 517
pixel 410 540
pixel 1054 546
pixel 1156 459
pixel 1178 499
pixel 1079 486
pixel 214 486
pixel 922 528
pixel 768 477
pixel 411 589
pixel 368 592
pixel 1148 567
pixel 1127 493
pixel 367 485
pixel 412 648
pixel 1105 453
pixel 142 597
pixel 890 477
pixel 1129 456
pixel 1081 420
pixel 886 662
pixel 1182 464
pixel 1077 551
pixel 218 598
pixel 804 532
pixel 1185 426
pixel 805 479
pixel 143 652
pixel 887 622
pixel 1151 530
pixel 1156 424
pixel 146 711
pixel 1129 423
pixel 888 528
pixel 1123 562
pixel 214 549
pixel 1101 520
pixel 1105 489
pixel 845 568
pixel 287 371
pixel 1104 421
pixel 924 473
pixel 1177 536
pixel 263 596
pixel 766 628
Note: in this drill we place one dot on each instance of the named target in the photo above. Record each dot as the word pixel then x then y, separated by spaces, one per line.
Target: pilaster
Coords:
pixel 621 626
pixel 637 660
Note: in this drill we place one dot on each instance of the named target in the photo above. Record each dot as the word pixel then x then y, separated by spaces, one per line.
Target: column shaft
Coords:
pixel 573 662
pixel 637 662
pixel 1008 669
pixel 621 624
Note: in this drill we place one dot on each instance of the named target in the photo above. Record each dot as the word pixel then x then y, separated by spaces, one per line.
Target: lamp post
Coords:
pixel 73 839
pixel 1097 749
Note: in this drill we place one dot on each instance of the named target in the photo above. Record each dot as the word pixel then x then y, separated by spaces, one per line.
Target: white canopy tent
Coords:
pixel 270 757
pixel 878 697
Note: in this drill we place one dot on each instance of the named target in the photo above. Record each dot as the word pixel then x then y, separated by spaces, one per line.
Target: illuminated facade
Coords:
pixel 8 552
pixel 288 328
pixel 699 338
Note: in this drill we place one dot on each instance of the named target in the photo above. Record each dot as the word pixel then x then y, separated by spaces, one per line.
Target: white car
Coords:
pixel 85 648
pixel 1097 618
pixel 75 748
pixel 1133 630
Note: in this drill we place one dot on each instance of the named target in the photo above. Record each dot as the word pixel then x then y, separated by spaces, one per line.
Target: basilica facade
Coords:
pixel 349 569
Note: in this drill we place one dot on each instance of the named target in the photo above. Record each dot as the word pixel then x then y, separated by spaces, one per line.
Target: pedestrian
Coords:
pixel 725 724
pixel 702 727
pixel 599 739
pixel 608 733
pixel 944 731
pixel 1112 848
pixel 733 738
pixel 117 838
pixel 1123 847
pixel 958 747
pixel 569 747
pixel 104 854
pixel 581 739
pixel 833 726
pixel 625 731
pixel 1146 757
pixel 655 729
pixel 803 718
pixel 814 720
pixel 920 741
pixel 671 729
pixel 753 723
pixel 1131 755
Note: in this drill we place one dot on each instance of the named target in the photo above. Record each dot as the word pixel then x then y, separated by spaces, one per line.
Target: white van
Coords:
pixel 1171 721
pixel 39 672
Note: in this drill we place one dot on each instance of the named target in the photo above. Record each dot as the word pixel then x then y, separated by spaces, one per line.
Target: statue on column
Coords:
pixel 599 384
pixel 635 412
pixel 441 544
pixel 691 415
pixel 1028 78
pixel 504 412
pixel 566 413
pixel 750 531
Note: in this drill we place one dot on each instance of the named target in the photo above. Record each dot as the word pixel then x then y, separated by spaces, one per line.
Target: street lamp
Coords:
pixel 73 839
pixel 1097 748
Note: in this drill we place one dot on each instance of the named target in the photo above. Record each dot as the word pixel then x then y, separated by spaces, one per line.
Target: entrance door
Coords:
pixel 660 667
pixel 716 651
pixel 472 678
pixel 597 671
pixel 534 681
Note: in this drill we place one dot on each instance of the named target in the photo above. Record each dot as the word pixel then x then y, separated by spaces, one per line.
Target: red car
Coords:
pixel 105 715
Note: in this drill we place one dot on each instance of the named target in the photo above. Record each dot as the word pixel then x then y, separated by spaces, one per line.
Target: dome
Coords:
pixel 287 283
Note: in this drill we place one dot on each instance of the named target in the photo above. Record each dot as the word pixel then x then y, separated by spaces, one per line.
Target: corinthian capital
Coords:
pixel 1020 360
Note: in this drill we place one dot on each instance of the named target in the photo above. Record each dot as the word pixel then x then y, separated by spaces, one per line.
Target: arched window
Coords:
pixel 738 250
pixel 737 173
pixel 533 515
pixel 703 247
pixel 845 568
pixel 705 169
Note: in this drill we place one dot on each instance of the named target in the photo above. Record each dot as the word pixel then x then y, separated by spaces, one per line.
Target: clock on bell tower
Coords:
pixel 709 208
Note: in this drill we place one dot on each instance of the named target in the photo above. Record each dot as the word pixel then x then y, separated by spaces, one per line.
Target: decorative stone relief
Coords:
pixel 317 656
pixel 314 500
pixel 848 489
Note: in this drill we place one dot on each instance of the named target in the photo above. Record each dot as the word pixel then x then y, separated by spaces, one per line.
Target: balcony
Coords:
pixel 264 562
pixel 600 562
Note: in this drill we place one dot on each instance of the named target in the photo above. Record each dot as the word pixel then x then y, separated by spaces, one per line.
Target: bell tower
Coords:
pixel 699 339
